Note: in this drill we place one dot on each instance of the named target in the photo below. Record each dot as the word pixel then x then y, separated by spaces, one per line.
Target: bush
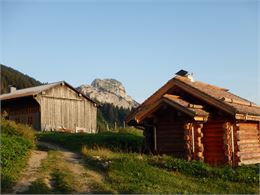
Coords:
pixel 14 156
pixel 16 142
pixel 247 174
pixel 12 128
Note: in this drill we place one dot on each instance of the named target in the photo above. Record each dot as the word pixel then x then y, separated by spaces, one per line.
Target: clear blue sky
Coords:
pixel 140 43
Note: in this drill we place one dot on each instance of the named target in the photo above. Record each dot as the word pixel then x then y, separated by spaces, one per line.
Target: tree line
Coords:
pixel 9 76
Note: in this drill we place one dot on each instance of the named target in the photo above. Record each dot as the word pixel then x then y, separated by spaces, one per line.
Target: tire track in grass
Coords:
pixel 88 179
pixel 29 174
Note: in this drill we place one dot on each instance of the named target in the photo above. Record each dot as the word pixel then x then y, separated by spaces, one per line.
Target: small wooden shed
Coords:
pixel 195 120
pixel 52 107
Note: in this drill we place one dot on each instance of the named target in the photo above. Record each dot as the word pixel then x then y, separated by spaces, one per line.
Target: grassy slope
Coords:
pixel 16 142
pixel 10 76
pixel 137 173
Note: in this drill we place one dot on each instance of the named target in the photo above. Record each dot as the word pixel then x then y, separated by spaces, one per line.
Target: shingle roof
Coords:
pixel 210 94
pixel 175 102
pixel 36 90
pixel 28 91
pixel 238 104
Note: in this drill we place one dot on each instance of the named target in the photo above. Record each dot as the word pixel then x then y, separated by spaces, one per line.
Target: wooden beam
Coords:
pixel 200 118
pixel 195 106
pixel 229 100
pixel 247 117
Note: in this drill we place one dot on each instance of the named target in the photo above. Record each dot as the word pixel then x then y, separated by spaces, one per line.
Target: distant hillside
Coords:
pixel 9 76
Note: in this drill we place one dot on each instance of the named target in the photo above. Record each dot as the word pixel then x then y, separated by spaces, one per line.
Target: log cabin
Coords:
pixel 52 107
pixel 198 121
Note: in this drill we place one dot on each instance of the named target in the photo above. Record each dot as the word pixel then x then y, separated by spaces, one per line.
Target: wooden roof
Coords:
pixel 37 90
pixel 192 110
pixel 215 96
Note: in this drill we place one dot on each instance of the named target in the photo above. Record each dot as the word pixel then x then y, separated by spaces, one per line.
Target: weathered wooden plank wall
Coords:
pixel 63 108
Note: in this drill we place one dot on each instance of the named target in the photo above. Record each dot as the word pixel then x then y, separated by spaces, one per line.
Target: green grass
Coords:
pixel 38 187
pixel 16 142
pixel 133 173
pixel 128 172
pixel 246 174
pixel 13 128
pixel 116 141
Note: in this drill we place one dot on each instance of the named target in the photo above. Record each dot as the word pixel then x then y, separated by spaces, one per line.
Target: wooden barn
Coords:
pixel 53 107
pixel 195 120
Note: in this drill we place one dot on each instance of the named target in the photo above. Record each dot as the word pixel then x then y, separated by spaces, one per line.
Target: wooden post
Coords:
pixel 148 133
pixel 115 126
pixel 155 139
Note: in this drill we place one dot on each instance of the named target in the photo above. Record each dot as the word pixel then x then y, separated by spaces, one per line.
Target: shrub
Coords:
pixel 247 174
pixel 16 142
pixel 14 155
pixel 112 140
pixel 12 128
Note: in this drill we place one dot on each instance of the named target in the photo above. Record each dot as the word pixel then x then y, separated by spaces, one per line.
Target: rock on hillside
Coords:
pixel 109 91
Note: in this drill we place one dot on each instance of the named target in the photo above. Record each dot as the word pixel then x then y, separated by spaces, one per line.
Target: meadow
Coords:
pixel 118 156
pixel 115 163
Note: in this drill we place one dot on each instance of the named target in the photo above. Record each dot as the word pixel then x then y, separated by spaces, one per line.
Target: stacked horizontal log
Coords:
pixel 188 141
pixel 227 137
pixel 170 138
pixel 213 142
pixel 248 143
pixel 199 148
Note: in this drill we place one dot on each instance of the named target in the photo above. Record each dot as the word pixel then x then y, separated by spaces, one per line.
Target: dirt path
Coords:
pixel 74 160
pixel 76 163
pixel 29 174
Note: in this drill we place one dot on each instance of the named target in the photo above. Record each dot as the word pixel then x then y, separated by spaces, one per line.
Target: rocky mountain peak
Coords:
pixel 109 85
pixel 109 91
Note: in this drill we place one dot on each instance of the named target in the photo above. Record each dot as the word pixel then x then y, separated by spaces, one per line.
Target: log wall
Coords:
pixel 170 135
pixel 248 143
pixel 63 109
pixel 214 143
